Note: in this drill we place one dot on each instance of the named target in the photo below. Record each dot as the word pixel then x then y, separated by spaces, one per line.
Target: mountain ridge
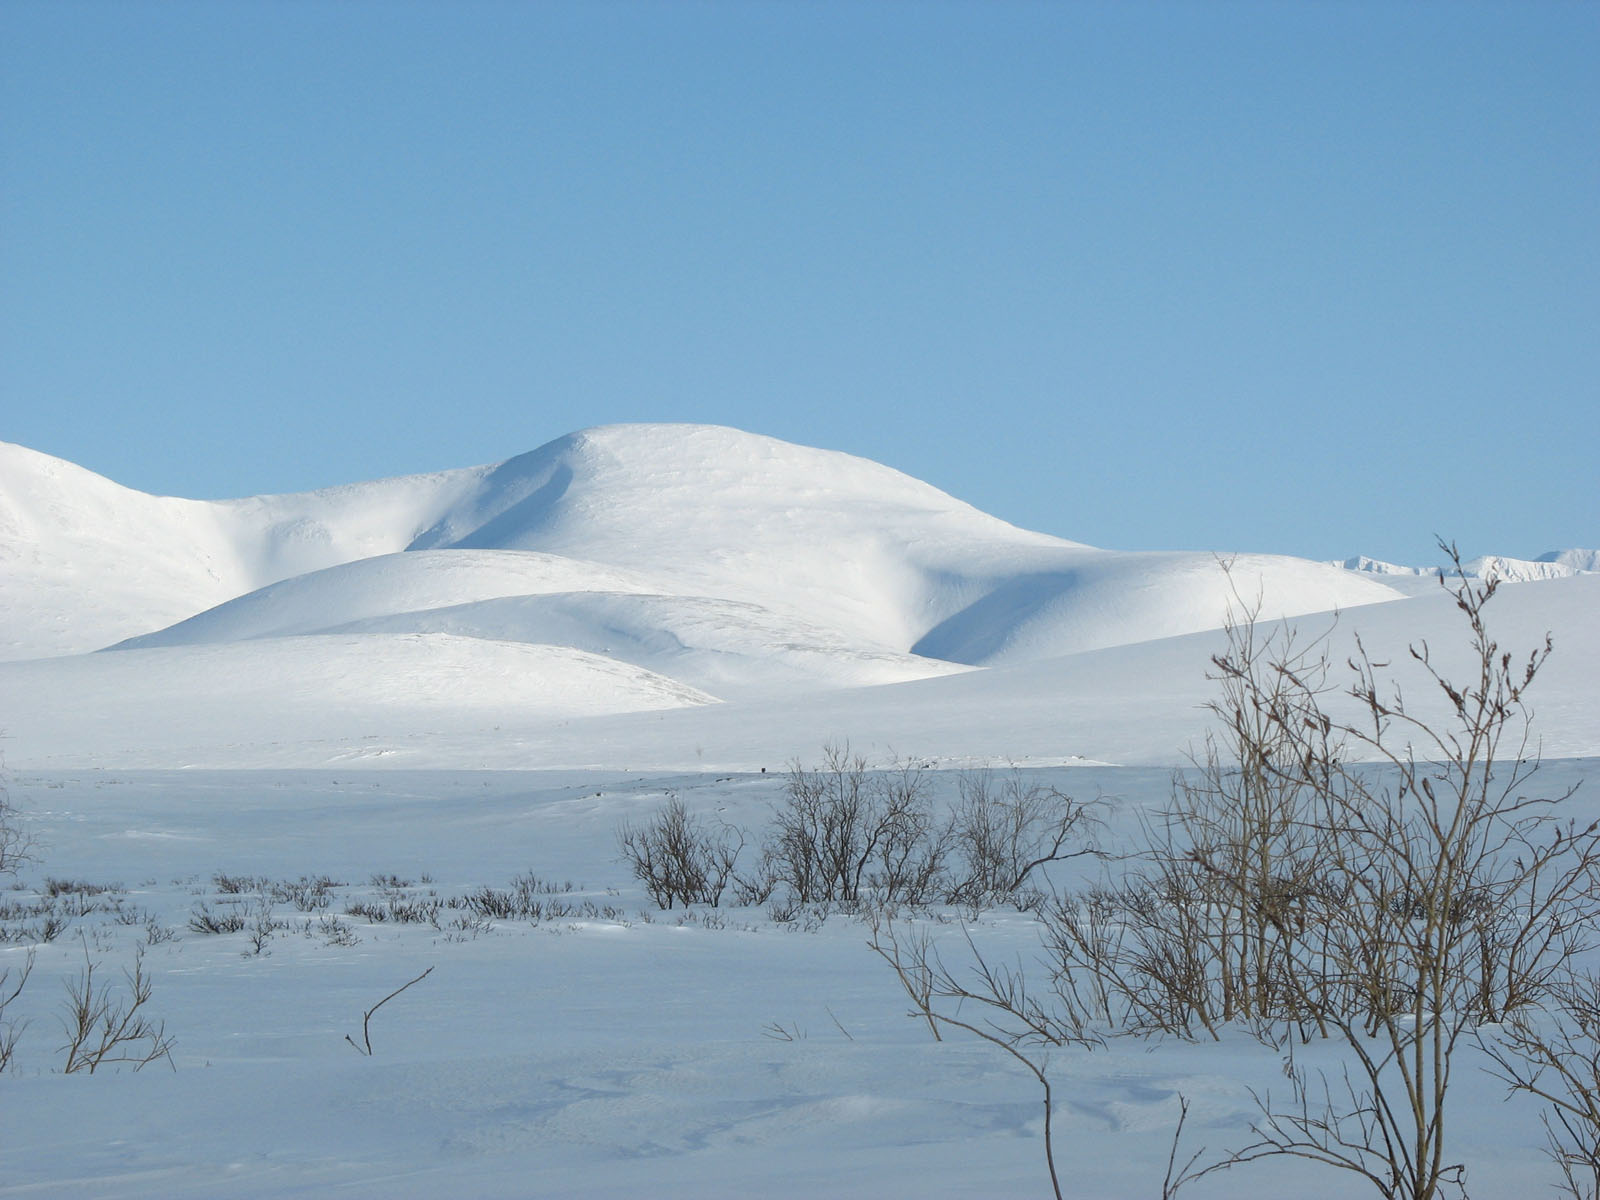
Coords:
pixel 753 556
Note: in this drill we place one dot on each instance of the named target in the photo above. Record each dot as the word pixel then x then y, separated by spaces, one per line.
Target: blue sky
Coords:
pixel 1312 278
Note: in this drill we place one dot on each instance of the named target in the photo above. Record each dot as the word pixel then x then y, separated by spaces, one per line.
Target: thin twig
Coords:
pixel 366 1017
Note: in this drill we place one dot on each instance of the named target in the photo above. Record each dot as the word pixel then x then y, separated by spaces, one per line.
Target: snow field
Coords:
pixel 457 678
pixel 719 1055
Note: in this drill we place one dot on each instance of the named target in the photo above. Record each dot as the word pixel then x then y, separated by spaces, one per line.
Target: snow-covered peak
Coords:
pixel 1578 561
pixel 1557 564
pixel 623 482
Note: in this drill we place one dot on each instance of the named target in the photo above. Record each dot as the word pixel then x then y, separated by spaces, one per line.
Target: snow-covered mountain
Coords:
pixel 1557 564
pixel 815 537
pixel 85 562
pixel 624 569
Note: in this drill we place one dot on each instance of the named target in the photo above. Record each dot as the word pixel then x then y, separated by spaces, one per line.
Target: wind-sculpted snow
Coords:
pixel 730 648
pixel 1573 560
pixel 726 647
pixel 825 537
pixel 390 584
pixel 334 698
pixel 87 562
pixel 435 698
pixel 1105 599
pixel 700 563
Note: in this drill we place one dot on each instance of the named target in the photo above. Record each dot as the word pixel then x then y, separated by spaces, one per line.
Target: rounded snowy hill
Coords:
pixel 784 546
pixel 594 600
pixel 853 546
pixel 85 562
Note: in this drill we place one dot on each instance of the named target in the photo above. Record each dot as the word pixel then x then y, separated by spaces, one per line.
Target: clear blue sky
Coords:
pixel 1318 278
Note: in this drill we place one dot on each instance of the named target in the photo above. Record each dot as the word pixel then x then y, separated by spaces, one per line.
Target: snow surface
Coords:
pixel 534 652
pixel 813 536
pixel 1557 564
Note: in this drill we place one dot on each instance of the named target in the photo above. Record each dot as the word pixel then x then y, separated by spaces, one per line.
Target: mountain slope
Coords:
pixel 85 562
pixel 868 557
pixel 310 702
pixel 592 601
pixel 728 647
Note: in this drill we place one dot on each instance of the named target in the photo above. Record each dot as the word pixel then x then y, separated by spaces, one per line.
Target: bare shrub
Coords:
pixel 399 909
pixel 49 929
pixel 77 887
pixel 842 836
pixel 76 898
pixel 415 910
pixel 755 889
pixel 12 981
pixel 309 893
pixel 333 931
pixel 488 902
pixel 1381 878
pixel 1004 830
pixel 104 1028
pixel 1554 1056
pixel 1200 929
pixel 1133 955
pixel 911 847
pixel 204 919
pixel 16 843
pixel 1447 896
pixel 238 885
pixel 465 927
pixel 398 903
pixel 678 858
pixel 529 898
pixel 15 918
pixel 261 925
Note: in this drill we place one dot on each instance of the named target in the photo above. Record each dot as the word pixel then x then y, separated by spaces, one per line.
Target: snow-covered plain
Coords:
pixel 460 677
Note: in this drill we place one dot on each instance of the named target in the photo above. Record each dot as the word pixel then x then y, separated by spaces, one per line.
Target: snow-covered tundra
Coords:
pixel 285 755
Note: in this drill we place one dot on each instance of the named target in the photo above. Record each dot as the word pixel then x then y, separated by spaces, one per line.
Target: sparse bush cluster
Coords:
pixel 244 904
pixel 399 902
pixel 842 836
pixel 534 900
pixel 1342 869
pixel 1004 830
pixel 847 838
pixel 678 858
pixel 204 919
pixel 308 893
pixel 58 905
